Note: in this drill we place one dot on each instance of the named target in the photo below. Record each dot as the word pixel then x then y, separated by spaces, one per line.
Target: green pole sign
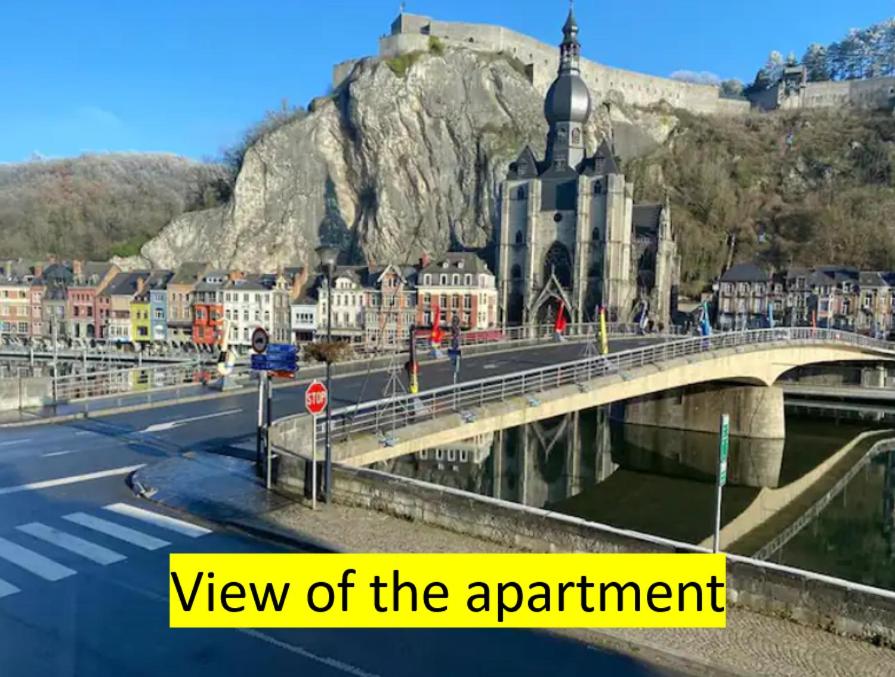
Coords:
pixel 725 443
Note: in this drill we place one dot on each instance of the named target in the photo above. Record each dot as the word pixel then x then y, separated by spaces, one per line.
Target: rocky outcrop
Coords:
pixel 405 156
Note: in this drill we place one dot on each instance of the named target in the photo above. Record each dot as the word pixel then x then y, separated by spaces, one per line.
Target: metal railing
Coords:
pixel 388 414
pixel 130 380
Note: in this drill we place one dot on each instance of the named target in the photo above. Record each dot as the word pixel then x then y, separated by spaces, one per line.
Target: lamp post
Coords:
pixel 328 255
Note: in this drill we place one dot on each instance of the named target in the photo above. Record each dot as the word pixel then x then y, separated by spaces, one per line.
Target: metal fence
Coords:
pixel 388 414
pixel 130 380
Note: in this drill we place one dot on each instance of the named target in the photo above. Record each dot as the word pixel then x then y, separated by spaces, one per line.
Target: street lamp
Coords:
pixel 328 255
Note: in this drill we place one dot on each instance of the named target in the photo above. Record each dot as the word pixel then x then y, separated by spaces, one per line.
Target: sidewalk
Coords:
pixel 226 490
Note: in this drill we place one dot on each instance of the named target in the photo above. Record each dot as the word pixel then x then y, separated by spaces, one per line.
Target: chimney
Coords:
pixel 425 260
pixel 234 275
pixel 77 268
pixel 38 269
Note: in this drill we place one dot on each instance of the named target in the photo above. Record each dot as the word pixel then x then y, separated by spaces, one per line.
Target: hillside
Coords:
pixel 97 206
pixel 804 188
pixel 405 156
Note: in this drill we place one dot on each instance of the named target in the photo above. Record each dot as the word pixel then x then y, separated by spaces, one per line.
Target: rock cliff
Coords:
pixel 405 156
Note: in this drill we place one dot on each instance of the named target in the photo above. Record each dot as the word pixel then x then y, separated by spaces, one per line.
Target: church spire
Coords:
pixel 567 105
pixel 569 49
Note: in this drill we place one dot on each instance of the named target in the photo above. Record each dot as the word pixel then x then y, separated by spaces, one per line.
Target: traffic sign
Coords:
pixel 724 445
pixel 281 349
pixel 316 397
pixel 274 363
pixel 260 339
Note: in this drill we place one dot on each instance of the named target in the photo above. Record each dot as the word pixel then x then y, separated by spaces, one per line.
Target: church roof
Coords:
pixel 602 162
pixel 525 166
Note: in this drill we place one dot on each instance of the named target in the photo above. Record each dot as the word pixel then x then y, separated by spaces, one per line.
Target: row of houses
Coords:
pixel 749 295
pixel 371 305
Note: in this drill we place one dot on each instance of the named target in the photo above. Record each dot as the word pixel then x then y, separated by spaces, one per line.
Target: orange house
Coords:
pixel 208 310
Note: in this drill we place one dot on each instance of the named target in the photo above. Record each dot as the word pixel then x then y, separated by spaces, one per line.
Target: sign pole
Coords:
pixel 269 421
pixel 262 376
pixel 314 463
pixel 722 478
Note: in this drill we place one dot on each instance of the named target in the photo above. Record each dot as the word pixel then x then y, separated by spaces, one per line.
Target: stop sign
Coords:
pixel 315 398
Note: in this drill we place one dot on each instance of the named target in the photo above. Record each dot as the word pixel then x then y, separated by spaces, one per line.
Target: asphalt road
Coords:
pixel 79 596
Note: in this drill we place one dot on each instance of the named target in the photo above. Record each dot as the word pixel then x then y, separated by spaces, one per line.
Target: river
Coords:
pixel 661 481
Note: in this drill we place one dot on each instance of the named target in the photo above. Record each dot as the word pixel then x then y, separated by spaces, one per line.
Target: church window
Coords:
pixel 518 237
pixel 595 235
pixel 520 193
pixel 598 188
pixel 516 272
pixel 557 217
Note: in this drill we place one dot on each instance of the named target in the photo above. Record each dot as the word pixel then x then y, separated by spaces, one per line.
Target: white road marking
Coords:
pixel 33 562
pixel 7 588
pixel 59 453
pixel 159 520
pixel 334 663
pixel 114 530
pixel 73 479
pixel 75 544
pixel 9 442
pixel 168 425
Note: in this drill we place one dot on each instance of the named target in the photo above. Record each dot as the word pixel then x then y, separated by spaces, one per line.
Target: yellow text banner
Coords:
pixel 411 590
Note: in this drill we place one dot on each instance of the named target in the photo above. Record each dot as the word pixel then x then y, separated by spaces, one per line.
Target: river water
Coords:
pixel 661 481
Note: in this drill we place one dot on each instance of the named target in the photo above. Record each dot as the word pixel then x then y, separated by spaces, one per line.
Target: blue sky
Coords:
pixel 188 76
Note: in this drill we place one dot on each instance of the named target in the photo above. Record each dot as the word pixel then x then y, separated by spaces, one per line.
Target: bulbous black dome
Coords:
pixel 568 100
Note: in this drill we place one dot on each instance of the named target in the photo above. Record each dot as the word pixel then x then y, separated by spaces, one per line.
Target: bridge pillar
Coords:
pixel 755 411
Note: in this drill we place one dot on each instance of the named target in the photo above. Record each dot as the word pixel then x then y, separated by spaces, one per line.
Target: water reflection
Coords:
pixel 650 479
pixel 854 536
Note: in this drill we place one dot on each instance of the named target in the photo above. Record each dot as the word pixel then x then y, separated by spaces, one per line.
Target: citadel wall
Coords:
pixel 411 32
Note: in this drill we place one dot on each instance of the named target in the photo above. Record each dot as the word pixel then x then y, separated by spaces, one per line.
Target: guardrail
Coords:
pixel 387 414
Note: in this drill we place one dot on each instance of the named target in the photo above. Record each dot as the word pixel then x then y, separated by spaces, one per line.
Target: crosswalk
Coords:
pixel 120 527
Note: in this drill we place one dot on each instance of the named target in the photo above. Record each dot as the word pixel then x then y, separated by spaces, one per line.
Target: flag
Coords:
pixel 560 325
pixel 604 335
pixel 436 328
pixel 704 324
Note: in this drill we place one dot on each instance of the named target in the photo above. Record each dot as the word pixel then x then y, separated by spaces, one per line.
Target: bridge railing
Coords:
pixel 388 414
pixel 129 380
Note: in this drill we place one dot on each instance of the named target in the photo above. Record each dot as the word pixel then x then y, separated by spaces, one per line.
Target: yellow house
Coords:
pixel 140 324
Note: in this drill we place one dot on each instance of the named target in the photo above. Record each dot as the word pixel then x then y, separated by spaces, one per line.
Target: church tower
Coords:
pixel 566 234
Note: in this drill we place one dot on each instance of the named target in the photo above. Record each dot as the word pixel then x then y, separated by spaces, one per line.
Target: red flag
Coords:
pixel 560 326
pixel 436 327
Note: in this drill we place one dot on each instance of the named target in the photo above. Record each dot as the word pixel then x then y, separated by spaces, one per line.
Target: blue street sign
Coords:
pixel 274 363
pixel 281 349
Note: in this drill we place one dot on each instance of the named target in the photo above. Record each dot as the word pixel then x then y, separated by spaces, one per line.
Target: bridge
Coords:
pixel 733 372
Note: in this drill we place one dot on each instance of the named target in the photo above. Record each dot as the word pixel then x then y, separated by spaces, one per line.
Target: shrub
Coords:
pixel 401 64
pixel 436 46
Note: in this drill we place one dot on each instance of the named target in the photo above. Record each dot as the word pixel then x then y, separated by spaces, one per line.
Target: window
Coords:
pixel 443 279
pixel 467 280
pixel 598 188
pixel 557 217
pixel 519 239
pixel 520 192
pixel 455 280
pixel 595 235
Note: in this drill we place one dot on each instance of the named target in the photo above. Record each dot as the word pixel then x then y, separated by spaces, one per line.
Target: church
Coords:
pixel 570 232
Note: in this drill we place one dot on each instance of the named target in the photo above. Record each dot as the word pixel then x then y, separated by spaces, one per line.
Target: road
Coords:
pixel 81 596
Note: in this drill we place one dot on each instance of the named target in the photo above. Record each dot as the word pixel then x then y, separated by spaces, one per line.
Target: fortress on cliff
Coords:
pixel 411 33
